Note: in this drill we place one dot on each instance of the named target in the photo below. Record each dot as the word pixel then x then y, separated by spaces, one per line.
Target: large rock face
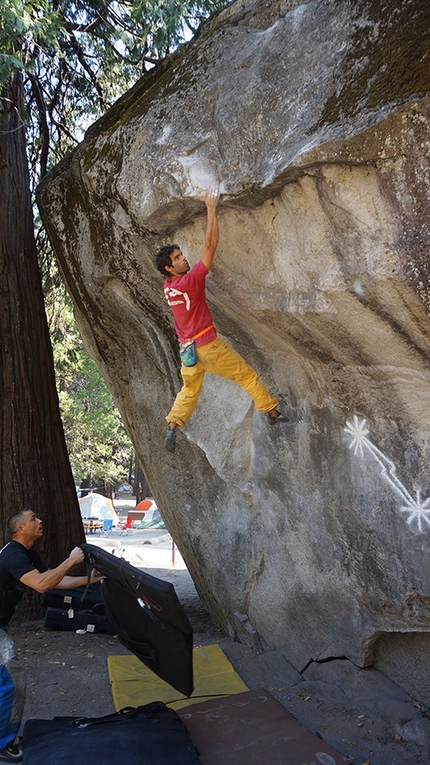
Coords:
pixel 313 120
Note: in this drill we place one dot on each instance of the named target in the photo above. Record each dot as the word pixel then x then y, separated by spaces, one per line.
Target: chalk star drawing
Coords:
pixel 418 511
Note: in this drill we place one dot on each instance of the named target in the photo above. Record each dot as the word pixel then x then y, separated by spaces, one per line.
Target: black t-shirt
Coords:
pixel 15 561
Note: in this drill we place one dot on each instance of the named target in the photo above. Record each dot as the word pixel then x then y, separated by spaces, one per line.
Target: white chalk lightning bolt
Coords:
pixel 419 512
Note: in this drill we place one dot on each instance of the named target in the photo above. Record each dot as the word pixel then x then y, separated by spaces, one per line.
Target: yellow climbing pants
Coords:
pixel 218 358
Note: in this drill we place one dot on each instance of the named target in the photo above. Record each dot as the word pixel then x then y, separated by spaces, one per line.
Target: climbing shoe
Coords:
pixel 170 440
pixel 279 418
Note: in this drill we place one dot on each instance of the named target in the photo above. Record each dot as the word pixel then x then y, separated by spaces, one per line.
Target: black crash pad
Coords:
pixel 148 735
pixel 148 617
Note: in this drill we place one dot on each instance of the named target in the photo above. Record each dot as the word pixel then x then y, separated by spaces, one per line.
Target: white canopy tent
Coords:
pixel 96 506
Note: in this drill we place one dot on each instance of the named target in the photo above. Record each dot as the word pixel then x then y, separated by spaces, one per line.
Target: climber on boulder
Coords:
pixel 201 350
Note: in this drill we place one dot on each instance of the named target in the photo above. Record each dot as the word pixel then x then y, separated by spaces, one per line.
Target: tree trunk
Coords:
pixel 35 471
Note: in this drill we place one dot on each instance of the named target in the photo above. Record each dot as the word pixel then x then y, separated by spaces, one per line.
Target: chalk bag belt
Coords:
pixel 199 334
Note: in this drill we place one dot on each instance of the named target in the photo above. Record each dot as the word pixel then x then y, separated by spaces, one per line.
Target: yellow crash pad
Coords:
pixel 133 684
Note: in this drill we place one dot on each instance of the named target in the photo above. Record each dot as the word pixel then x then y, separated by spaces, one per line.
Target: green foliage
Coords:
pixel 25 26
pixel 78 57
pixel 96 47
pixel 97 442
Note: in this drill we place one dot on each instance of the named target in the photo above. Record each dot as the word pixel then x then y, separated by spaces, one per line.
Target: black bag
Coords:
pixel 81 608
pixel 70 620
pixel 78 598
pixel 149 735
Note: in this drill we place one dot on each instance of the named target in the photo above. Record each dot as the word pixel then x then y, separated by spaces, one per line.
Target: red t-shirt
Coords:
pixel 186 297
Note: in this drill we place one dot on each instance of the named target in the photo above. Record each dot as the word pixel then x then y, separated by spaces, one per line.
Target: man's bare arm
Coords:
pixel 70 582
pixel 212 231
pixel 47 580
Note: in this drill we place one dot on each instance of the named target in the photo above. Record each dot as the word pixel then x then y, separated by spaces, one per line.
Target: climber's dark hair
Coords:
pixel 163 259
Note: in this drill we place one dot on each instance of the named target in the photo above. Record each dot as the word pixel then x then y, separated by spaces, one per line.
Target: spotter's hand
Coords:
pixel 96 576
pixel 77 556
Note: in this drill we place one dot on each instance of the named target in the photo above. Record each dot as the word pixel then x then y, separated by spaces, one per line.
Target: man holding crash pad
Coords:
pixel 21 567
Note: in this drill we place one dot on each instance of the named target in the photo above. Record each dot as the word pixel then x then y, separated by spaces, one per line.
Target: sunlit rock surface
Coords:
pixel 313 120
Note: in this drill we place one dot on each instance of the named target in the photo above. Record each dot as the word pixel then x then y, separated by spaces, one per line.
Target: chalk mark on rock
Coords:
pixel 419 511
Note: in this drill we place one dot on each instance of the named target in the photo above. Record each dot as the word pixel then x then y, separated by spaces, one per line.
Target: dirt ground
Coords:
pixel 67 672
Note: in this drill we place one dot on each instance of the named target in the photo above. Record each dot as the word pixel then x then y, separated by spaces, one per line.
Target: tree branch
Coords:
pixel 70 27
pixel 43 123
pixel 82 60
